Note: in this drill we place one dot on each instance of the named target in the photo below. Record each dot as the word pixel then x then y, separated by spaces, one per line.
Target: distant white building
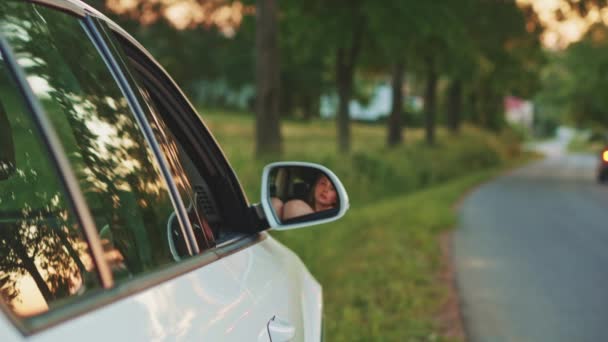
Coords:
pixel 379 106
pixel 519 111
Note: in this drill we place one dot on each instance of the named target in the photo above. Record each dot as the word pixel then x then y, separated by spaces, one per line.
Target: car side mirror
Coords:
pixel 8 165
pixel 299 194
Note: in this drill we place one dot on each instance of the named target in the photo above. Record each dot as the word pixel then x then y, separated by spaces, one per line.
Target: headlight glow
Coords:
pixel 605 156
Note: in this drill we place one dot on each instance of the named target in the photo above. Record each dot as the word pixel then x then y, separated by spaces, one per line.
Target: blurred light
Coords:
pixel 225 15
pixel 605 156
pixel 558 34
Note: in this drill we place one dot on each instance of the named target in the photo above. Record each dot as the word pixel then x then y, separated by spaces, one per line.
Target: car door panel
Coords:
pixel 231 296
pixel 203 304
pixel 280 286
pixel 9 332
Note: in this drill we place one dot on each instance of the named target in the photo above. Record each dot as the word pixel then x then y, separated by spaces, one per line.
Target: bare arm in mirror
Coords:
pixel 296 208
pixel 277 205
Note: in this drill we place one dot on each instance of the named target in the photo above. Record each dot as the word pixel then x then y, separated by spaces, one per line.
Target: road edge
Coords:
pixel 451 319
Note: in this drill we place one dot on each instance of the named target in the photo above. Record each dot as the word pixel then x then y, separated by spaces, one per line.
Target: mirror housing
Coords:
pixel 299 194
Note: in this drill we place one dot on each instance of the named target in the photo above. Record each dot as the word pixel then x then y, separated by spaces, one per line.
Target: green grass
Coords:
pixel 380 264
pixel 371 170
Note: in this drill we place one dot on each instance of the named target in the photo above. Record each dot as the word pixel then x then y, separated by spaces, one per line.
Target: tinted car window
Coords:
pixel 183 171
pixel 44 259
pixel 116 168
pixel 217 192
pixel 191 184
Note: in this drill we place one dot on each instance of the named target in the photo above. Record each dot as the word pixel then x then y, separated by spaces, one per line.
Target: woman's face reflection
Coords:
pixel 325 194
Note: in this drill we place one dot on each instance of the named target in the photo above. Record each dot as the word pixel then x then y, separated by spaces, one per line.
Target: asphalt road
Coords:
pixel 531 254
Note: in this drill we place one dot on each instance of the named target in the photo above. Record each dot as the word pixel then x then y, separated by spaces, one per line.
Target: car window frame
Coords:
pixel 112 292
pixel 73 193
pixel 193 125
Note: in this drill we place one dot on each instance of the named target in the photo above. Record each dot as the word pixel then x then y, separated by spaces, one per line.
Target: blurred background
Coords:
pixel 411 103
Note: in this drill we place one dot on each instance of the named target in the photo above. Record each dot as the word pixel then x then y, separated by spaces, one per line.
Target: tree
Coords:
pixel 221 51
pixel 394 26
pixel 509 58
pixel 430 99
pixel 582 7
pixel 440 37
pixel 337 30
pixel 268 135
pixel 304 56
pixel 577 79
pixel 347 54
pixel 394 134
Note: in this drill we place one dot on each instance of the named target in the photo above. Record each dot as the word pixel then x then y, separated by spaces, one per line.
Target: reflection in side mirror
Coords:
pixel 7 147
pixel 297 194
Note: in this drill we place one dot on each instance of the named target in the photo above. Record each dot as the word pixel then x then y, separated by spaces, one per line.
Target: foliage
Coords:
pixel 509 58
pixel 489 48
pixel 371 171
pixel 379 265
pixel 576 81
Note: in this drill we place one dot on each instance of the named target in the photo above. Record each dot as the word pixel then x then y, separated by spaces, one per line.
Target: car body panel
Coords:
pixel 8 331
pixel 228 300
pixel 204 303
pixel 273 292
pixel 230 297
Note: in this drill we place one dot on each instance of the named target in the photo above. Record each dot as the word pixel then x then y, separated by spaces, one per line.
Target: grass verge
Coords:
pixel 380 265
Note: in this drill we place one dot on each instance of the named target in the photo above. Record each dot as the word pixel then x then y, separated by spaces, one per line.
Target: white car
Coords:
pixel 120 217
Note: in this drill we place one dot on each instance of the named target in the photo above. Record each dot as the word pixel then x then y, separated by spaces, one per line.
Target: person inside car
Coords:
pixel 322 197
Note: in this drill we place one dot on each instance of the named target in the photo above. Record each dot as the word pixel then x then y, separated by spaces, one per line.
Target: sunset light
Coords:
pixel 226 16
pixel 560 33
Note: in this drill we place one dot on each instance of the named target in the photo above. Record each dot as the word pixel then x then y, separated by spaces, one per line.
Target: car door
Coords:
pixel 105 152
pixel 281 292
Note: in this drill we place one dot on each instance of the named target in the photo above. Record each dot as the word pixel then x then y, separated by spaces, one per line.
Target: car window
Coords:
pixel 111 158
pixel 44 259
pixel 196 152
pixel 191 184
pixel 191 180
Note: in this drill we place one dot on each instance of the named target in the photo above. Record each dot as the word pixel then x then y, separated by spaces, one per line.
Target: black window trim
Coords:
pixel 136 46
pixel 203 140
pixel 224 166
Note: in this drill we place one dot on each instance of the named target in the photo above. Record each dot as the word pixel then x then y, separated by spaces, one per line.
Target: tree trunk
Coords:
pixel 30 267
pixel 454 106
pixel 429 101
pixel 493 111
pixel 70 250
pixel 344 79
pixel 268 134
pixel 308 107
pixel 489 103
pixel 345 68
pixel 474 107
pixel 395 133
pixel 286 103
pixel 27 262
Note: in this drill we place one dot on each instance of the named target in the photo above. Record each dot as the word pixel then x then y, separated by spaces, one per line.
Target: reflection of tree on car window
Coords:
pixel 321 197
